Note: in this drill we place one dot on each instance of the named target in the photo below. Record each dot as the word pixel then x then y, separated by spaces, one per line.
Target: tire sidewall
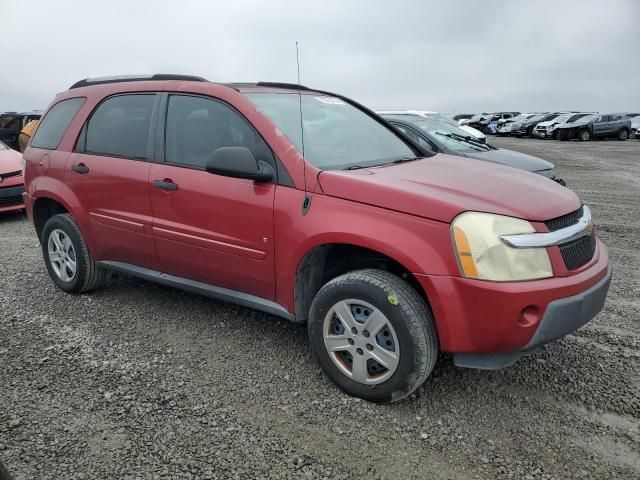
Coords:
pixel 396 385
pixel 62 222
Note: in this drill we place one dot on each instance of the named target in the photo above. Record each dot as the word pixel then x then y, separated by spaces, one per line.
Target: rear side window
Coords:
pixel 120 127
pixel 55 123
pixel 197 126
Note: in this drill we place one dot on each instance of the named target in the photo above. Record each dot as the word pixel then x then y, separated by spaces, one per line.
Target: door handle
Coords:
pixel 165 184
pixel 80 168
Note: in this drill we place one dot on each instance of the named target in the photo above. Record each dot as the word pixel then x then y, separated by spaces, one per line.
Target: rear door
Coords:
pixel 211 228
pixel 601 125
pixel 108 174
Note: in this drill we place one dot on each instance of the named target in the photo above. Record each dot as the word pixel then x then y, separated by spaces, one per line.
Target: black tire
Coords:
pixel 408 314
pixel 623 134
pixel 584 135
pixel 88 275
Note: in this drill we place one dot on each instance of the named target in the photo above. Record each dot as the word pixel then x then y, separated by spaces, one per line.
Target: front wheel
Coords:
pixel 584 135
pixel 373 335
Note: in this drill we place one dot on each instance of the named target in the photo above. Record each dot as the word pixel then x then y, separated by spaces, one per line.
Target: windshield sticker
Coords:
pixel 331 100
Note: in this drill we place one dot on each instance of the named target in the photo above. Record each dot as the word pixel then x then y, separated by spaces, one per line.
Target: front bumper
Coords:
pixel 543 133
pixel 562 317
pixel 11 198
pixel 476 317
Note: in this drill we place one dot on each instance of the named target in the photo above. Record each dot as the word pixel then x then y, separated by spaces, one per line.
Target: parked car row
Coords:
pixel 557 125
pixel 388 237
pixel 11 123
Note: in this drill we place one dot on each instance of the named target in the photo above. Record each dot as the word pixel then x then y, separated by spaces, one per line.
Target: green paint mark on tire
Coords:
pixel 393 299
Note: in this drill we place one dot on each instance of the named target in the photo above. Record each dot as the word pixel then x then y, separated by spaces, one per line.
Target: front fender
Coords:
pixel 421 246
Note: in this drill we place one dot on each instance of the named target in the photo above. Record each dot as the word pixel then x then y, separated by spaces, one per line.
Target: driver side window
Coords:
pixel 196 126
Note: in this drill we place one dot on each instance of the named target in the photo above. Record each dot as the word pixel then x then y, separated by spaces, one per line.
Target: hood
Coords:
pixel 10 161
pixel 547 123
pixel 513 159
pixel 443 186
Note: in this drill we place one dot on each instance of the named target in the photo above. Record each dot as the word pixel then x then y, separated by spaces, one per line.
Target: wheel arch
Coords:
pixel 326 261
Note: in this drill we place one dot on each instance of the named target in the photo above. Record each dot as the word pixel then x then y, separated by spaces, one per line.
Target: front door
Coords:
pixel 210 228
pixel 109 177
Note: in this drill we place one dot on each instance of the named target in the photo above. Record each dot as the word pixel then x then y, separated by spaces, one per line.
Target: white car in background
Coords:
pixel 512 125
pixel 635 127
pixel 437 116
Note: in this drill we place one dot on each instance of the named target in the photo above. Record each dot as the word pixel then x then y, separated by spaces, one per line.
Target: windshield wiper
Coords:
pixel 404 159
pixel 353 167
pixel 466 139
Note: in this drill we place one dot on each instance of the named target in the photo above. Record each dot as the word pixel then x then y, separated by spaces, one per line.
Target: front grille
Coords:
pixel 577 253
pixel 10 201
pixel 564 221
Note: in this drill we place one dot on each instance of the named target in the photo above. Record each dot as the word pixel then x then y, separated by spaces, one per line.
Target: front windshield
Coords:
pixel 452 137
pixel 537 118
pixel 521 117
pixel 586 118
pixel 573 118
pixel 635 119
pixel 478 116
pixel 562 118
pixel 337 135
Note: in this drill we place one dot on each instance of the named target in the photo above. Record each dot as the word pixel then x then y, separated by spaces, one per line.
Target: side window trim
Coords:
pixel 283 177
pixel 81 141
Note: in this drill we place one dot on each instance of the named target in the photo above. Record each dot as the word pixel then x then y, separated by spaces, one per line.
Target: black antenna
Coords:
pixel 306 203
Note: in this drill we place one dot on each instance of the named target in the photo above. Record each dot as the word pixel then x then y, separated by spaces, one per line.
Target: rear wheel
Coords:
pixel 623 134
pixel 373 335
pixel 67 258
pixel 584 135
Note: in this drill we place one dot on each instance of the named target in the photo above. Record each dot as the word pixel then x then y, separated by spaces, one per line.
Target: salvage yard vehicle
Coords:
pixel 11 123
pixel 477 134
pixel 11 180
pixel 438 137
pixel 306 205
pixel 596 126
pixel 549 129
pixel 512 125
pixel 635 126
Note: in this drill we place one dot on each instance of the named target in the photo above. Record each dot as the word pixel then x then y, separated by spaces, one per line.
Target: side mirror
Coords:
pixel 238 162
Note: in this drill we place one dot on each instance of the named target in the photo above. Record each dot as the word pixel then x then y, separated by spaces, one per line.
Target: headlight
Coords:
pixel 483 255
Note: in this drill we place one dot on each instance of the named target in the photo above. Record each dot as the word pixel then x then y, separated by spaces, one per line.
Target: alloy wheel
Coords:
pixel 62 255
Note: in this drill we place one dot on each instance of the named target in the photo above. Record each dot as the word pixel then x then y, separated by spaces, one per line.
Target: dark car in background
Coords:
pixel 526 129
pixel 439 137
pixel 549 128
pixel 596 126
pixel 12 122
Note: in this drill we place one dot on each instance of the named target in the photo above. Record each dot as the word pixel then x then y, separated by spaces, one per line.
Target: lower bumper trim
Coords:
pixel 563 316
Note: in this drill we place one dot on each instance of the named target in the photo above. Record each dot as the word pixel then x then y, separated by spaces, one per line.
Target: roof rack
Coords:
pixel 290 86
pixel 135 78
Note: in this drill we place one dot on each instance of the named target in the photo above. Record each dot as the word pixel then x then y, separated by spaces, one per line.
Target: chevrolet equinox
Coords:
pixel 306 205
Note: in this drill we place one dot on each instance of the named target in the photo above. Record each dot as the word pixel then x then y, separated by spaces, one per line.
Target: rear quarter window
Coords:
pixel 55 123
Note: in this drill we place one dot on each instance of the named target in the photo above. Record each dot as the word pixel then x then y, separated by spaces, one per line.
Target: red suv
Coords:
pixel 308 206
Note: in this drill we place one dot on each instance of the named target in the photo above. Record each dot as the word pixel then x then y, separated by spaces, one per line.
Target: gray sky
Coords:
pixel 447 55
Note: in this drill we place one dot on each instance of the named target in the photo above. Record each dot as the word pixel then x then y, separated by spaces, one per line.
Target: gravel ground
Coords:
pixel 141 381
